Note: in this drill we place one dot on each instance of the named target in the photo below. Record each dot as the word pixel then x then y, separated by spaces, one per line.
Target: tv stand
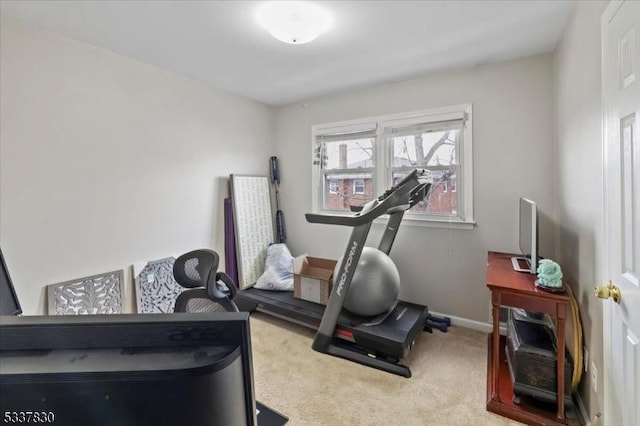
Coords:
pixel 509 288
pixel 521 264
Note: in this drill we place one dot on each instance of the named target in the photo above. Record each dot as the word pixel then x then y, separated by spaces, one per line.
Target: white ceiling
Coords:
pixel 370 42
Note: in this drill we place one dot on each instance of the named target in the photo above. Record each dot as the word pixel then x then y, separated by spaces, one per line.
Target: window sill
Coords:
pixel 413 221
pixel 428 223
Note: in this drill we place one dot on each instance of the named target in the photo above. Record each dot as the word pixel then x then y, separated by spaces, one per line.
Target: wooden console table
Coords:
pixel 518 290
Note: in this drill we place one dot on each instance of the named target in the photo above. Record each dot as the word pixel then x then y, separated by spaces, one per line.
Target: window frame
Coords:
pixel 382 170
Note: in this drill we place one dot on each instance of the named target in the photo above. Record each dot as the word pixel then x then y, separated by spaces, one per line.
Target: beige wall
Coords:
pixel 107 162
pixel 513 156
pixel 579 169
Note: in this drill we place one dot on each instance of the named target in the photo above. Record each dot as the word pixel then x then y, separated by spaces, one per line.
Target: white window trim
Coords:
pixel 427 222
pixel 382 158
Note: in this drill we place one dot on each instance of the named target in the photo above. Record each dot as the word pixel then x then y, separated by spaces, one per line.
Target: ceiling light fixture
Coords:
pixel 293 22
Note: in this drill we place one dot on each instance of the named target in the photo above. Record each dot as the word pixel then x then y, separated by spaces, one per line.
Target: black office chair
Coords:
pixel 198 272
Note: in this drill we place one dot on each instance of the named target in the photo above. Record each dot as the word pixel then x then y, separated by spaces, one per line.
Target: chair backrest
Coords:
pixel 197 272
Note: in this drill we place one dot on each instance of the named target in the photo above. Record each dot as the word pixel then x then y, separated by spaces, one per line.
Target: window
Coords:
pixel 358 160
pixel 333 186
pixel 345 156
pixel 449 183
pixel 358 186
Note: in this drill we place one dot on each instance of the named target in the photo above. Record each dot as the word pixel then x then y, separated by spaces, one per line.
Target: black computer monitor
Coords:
pixel 125 369
pixel 9 304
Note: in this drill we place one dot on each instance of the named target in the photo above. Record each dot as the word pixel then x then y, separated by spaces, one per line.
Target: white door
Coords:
pixel 621 118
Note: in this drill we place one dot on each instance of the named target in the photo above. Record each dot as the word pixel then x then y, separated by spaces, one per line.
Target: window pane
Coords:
pixel 432 148
pixel 441 200
pixel 351 189
pixel 349 154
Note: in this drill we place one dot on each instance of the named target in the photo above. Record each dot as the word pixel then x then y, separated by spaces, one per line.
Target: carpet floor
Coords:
pixel 447 387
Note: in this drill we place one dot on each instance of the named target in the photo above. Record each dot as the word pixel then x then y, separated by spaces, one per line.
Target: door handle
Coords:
pixel 608 291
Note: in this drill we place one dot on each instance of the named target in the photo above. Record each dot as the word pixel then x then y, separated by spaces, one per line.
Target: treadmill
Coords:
pixel 381 341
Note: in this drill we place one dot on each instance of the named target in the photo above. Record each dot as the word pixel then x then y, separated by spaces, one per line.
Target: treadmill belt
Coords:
pixel 391 337
pixel 311 310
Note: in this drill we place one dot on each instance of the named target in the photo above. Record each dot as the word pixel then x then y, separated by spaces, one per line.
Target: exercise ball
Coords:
pixel 375 284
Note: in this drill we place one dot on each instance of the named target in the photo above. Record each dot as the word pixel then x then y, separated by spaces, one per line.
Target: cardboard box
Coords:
pixel 312 278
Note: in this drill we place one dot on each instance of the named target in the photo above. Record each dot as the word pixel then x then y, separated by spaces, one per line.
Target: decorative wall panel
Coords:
pixel 253 225
pixel 97 294
pixel 156 288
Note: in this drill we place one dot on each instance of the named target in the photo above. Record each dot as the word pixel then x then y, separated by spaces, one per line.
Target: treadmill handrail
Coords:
pixel 400 197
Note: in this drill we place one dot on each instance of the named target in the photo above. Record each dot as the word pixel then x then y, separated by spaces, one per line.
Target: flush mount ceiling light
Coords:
pixel 293 22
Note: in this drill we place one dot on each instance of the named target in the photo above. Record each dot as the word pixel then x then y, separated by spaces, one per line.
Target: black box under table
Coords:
pixel 532 357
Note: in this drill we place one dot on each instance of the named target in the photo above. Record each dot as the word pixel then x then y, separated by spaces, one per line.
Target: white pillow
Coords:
pixel 278 269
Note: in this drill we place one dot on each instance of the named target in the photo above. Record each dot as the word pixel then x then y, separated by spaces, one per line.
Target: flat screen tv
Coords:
pixel 142 370
pixel 9 304
pixel 527 237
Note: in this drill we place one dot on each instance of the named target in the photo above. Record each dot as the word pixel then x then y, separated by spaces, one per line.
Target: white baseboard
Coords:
pixel 471 324
pixel 582 411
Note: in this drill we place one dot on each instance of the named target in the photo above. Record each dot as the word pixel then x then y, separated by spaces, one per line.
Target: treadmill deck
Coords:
pixel 390 335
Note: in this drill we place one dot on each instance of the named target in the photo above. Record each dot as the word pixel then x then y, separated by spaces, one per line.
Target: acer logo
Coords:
pixel 194 334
